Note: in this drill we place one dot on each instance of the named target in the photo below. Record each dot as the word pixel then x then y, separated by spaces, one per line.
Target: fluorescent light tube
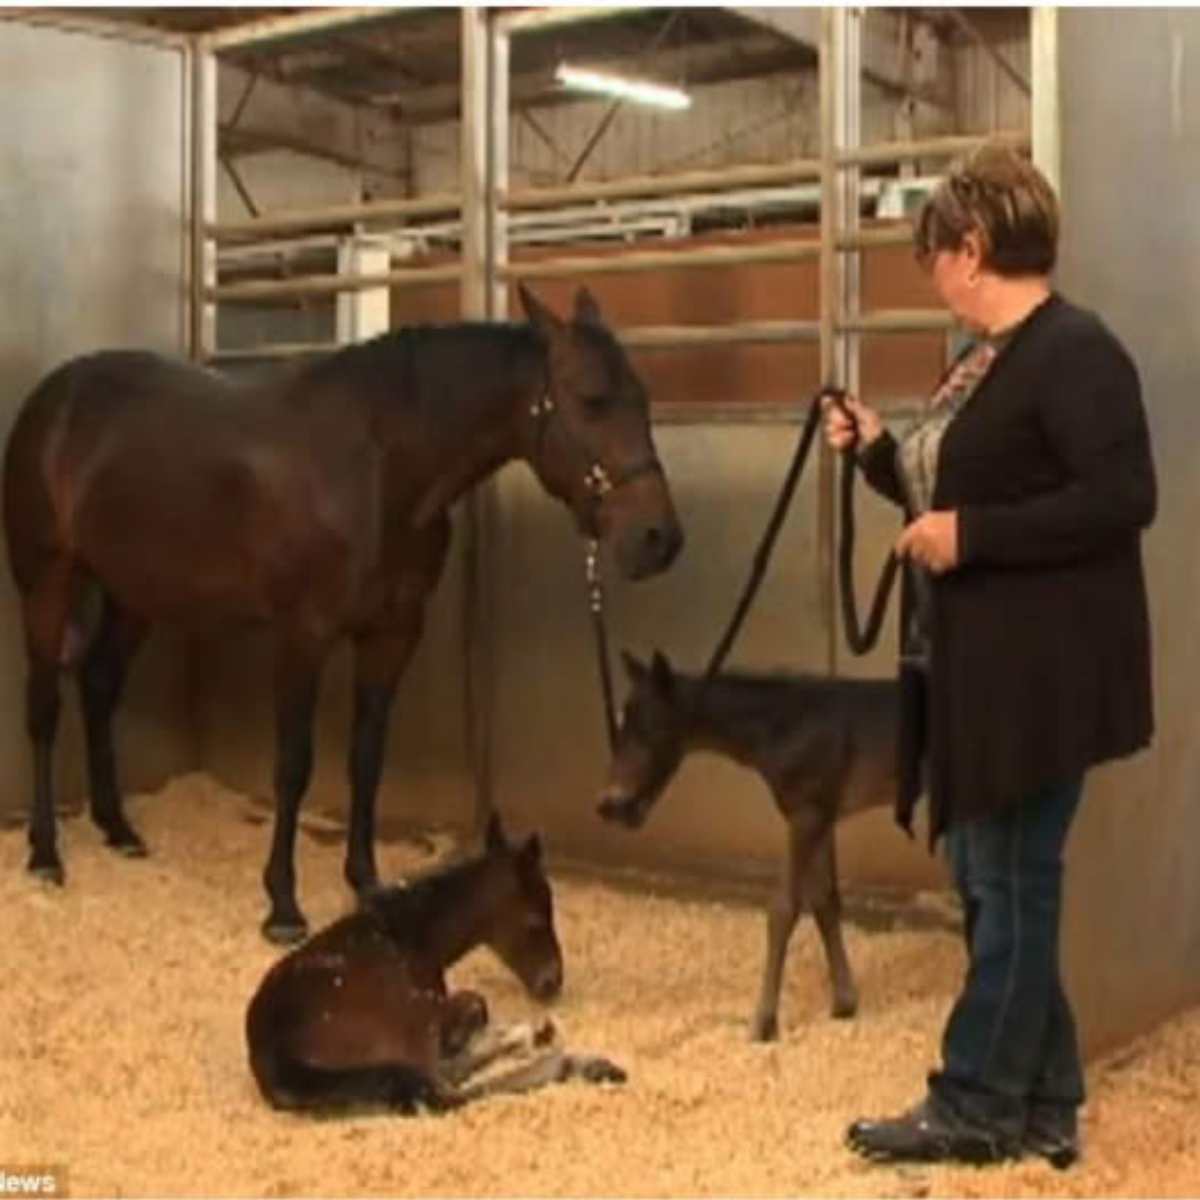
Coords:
pixel 636 90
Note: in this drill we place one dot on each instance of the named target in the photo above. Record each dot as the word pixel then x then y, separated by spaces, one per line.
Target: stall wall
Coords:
pixel 92 190
pixel 1130 94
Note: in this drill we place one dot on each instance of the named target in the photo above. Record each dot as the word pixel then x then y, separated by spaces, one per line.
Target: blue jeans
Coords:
pixel 1009 1051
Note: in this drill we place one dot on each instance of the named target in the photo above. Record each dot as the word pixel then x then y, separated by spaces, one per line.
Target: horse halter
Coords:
pixel 598 480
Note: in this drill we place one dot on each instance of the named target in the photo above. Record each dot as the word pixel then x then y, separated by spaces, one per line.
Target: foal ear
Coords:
pixel 587 311
pixel 633 668
pixel 531 853
pixel 495 839
pixel 662 672
pixel 539 315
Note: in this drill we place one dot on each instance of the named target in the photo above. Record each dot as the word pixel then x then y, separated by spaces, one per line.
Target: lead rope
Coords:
pixel 595 586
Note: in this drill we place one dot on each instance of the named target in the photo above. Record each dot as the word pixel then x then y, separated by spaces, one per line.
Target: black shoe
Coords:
pixel 1052 1134
pixel 923 1134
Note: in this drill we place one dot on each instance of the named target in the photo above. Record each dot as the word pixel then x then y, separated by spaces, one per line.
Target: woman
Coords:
pixel 1028 480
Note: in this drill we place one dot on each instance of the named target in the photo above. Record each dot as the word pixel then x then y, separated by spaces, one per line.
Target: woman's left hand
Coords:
pixel 932 541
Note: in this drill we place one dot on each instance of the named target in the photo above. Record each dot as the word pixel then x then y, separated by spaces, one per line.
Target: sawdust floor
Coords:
pixel 122 1056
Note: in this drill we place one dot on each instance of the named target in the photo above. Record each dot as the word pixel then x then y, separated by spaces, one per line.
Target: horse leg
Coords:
pixel 805 827
pixel 101 681
pixel 297 682
pixel 464 1014
pixel 556 1066
pixel 491 1044
pixel 825 900
pixel 380 661
pixel 46 610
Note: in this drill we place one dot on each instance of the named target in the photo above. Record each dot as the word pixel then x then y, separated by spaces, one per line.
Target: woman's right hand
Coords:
pixel 840 430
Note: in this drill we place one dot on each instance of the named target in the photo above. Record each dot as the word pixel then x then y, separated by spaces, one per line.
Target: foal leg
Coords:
pixel 297 681
pixel 46 609
pixel 380 661
pixel 805 829
pixel 101 681
pixel 825 900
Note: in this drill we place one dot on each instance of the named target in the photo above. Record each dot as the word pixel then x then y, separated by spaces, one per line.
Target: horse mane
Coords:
pixel 400 350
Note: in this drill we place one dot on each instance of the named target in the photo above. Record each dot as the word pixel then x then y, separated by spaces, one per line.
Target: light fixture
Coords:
pixel 637 90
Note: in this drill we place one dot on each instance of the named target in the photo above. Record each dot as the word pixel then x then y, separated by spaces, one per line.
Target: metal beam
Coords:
pixel 534 20
pixel 294 25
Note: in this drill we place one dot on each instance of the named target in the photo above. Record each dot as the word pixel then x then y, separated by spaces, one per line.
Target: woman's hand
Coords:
pixel 932 541
pixel 840 430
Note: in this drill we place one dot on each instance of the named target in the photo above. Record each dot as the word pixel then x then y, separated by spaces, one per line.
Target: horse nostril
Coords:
pixel 662 542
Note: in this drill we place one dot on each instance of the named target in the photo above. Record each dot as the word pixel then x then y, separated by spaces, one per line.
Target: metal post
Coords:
pixel 830 293
pixel 202 138
pixel 1044 109
pixel 484 169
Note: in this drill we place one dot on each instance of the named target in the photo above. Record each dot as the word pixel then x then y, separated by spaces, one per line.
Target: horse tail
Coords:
pixel 31 518
pixel 291 1083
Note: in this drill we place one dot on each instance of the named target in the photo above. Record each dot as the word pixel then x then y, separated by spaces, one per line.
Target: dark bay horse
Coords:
pixel 360 1015
pixel 316 503
pixel 825 747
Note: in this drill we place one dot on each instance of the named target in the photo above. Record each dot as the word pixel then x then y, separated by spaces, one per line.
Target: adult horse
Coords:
pixel 317 503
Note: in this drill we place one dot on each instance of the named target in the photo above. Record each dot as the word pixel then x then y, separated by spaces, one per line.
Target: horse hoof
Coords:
pixel 764 1029
pixel 128 845
pixel 285 931
pixel 844 1010
pixel 48 872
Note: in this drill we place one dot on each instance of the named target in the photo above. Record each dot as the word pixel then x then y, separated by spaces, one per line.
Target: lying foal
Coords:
pixel 360 1015
pixel 825 747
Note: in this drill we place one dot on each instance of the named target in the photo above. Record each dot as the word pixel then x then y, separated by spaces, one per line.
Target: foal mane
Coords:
pixel 406 908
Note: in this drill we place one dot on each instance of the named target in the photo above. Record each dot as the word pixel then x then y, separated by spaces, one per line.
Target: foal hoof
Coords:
pixel 47 872
pixel 593 1069
pixel 285 931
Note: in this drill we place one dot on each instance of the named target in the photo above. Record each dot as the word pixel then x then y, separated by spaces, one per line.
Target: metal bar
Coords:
pixel 534 19
pixel 277 29
pixel 335 215
pixel 331 285
pixel 898 320
pixel 202 145
pixel 653 337
pixel 790 251
pixel 475 132
pixel 884 153
pixel 1045 110
pixel 242 190
pixel 866 239
pixel 797 170
pixel 969 27
pixel 272 350
pixel 828 87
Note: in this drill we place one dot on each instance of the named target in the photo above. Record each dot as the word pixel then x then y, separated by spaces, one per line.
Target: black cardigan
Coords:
pixel 1040 638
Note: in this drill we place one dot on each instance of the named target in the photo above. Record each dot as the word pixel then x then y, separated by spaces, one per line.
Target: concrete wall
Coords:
pixel 92 158
pixel 1130 81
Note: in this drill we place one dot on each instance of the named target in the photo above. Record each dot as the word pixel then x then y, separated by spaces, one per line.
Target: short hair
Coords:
pixel 1006 200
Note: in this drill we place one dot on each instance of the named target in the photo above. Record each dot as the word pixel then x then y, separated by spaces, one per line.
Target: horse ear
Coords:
pixel 495 839
pixel 662 672
pixel 539 315
pixel 587 311
pixel 633 668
